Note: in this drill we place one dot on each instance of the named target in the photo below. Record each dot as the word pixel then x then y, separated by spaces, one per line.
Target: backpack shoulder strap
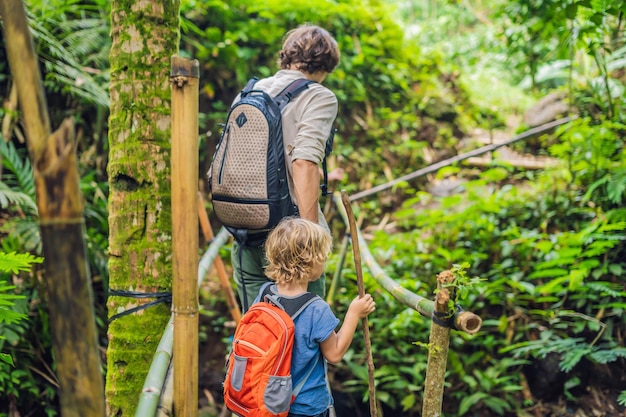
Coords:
pixel 291 91
pixel 249 86
pixel 292 306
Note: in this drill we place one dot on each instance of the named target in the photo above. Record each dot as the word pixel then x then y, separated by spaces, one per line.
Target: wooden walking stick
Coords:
pixel 359 280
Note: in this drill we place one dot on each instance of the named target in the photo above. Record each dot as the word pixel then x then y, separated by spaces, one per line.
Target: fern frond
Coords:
pixel 25 231
pixel 19 171
pixel 16 262
pixel 64 66
pixel 606 288
pixel 9 197
pixel 608 355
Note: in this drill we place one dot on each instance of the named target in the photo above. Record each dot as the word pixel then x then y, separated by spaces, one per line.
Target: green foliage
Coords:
pixel 26 342
pixel 495 387
pixel 553 252
pixel 17 195
pixel 550 245
pixel 73 43
pixel 11 262
pixel 594 151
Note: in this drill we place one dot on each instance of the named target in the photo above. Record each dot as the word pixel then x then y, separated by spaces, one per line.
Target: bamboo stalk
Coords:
pixel 59 201
pixel 229 294
pixel 153 385
pixel 185 75
pixel 438 346
pixel 166 402
pixel 359 280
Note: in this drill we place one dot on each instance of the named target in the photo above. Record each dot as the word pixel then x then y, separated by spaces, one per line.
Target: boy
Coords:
pixel 297 250
pixel 307 52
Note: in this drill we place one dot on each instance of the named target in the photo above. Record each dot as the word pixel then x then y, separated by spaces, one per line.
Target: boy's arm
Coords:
pixel 338 343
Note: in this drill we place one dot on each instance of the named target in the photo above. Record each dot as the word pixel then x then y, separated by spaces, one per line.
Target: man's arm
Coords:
pixel 306 182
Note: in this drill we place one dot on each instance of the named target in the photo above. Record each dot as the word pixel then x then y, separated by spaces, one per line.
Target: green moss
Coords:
pixel 128 361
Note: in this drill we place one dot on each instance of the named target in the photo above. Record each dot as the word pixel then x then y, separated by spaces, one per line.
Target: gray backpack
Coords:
pixel 248 176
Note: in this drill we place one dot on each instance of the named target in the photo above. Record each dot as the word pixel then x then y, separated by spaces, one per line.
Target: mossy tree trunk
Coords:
pixel 145 34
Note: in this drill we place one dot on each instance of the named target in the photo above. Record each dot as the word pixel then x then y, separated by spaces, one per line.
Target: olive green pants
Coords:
pixel 249 264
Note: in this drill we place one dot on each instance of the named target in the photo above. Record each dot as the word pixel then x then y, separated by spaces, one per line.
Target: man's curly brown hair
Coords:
pixel 295 247
pixel 309 48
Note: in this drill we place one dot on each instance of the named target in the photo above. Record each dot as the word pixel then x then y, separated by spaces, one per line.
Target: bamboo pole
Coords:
pixel 536 131
pixel 359 281
pixel 465 321
pixel 185 74
pixel 438 346
pixel 59 201
pixel 229 294
pixel 153 385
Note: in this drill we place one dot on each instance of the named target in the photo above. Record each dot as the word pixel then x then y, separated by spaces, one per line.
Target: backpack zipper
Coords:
pixel 220 176
pixel 251 346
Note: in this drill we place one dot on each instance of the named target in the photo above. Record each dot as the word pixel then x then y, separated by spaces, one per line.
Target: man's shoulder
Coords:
pixel 276 83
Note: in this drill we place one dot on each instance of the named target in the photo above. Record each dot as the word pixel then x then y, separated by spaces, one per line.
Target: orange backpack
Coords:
pixel 258 371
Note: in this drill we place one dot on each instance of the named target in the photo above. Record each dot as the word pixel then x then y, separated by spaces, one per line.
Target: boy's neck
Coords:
pixel 291 288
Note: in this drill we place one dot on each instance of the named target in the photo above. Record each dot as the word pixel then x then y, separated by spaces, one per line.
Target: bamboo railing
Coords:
pixel 531 133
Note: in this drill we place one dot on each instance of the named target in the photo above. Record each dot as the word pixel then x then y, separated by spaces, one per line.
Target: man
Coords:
pixel 308 52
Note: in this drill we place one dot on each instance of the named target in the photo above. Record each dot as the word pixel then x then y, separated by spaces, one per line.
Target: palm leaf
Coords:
pixel 10 197
pixel 63 64
pixel 25 231
pixel 19 172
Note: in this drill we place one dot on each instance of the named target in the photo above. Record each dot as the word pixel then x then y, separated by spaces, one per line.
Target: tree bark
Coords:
pixel 145 34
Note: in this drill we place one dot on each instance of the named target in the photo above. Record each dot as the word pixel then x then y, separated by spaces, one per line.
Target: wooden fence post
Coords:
pixel 438 345
pixel 184 76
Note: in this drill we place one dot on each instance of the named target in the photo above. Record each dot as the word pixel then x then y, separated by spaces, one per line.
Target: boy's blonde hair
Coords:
pixel 294 247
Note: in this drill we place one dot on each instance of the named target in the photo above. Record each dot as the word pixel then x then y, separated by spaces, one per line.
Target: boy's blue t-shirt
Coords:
pixel 314 325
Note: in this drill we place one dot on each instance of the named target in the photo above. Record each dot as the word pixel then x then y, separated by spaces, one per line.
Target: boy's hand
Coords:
pixel 362 306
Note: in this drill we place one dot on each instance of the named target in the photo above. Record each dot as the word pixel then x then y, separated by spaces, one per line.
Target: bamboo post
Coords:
pixel 184 76
pixel 359 280
pixel 59 201
pixel 438 346
pixel 229 294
